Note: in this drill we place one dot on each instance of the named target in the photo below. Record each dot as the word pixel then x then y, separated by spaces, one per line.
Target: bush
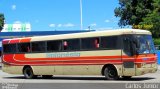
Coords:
pixel 156 41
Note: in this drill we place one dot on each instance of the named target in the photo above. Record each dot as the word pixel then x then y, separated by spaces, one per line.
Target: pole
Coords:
pixel 81 14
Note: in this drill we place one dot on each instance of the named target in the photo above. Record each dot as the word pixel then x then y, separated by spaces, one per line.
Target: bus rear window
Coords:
pixel 9 48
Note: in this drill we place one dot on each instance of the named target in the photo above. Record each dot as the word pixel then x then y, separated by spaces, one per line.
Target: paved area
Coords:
pixel 149 81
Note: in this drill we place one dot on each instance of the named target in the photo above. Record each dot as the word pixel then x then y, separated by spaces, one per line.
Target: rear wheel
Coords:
pixel 111 73
pixel 28 73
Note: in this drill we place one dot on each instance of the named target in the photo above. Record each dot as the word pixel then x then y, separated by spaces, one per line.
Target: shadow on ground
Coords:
pixel 83 78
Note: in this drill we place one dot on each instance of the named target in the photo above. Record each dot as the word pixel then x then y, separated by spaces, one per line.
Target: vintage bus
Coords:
pixel 111 53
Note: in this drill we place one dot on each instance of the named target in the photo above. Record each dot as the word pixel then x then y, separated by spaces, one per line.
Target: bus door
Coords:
pixel 128 57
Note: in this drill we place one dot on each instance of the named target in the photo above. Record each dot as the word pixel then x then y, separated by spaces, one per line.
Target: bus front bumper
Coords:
pixel 149 68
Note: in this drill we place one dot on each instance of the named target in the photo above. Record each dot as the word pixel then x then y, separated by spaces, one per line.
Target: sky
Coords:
pixel 51 15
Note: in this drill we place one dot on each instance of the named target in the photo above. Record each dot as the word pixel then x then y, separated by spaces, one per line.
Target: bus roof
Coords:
pixel 76 35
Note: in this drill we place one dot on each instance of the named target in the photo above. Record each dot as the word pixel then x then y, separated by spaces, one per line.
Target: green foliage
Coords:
pixel 153 19
pixel 1 21
pixel 156 41
pixel 141 14
pixel 131 12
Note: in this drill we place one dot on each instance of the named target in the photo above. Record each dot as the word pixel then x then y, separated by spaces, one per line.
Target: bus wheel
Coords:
pixel 126 77
pixel 47 76
pixel 111 73
pixel 28 73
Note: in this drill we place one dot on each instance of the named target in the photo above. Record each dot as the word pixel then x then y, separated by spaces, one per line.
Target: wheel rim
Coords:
pixel 111 73
pixel 28 73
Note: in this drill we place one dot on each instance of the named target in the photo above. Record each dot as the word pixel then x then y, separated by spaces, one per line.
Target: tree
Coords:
pixel 142 14
pixel 153 19
pixel 1 21
pixel 132 12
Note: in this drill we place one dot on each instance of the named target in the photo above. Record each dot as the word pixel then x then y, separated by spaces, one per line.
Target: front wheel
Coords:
pixel 28 73
pixel 111 73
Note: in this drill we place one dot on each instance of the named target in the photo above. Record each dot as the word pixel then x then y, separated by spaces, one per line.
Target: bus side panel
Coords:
pixel 68 70
pixel 146 63
pixel 82 70
pixel 12 69
pixel 89 62
pixel 43 70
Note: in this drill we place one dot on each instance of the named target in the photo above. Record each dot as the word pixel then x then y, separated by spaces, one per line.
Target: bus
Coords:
pixel 120 53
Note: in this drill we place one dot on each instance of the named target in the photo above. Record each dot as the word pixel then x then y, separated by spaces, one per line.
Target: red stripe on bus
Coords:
pixel 14 41
pixel 25 40
pixel 19 59
pixel 5 41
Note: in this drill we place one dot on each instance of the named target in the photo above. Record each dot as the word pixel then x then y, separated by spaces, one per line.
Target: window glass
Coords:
pixel 9 48
pixel 110 42
pixel 127 44
pixel 38 46
pixel 73 44
pixel 24 47
pixel 90 43
pixel 54 45
pixel 146 44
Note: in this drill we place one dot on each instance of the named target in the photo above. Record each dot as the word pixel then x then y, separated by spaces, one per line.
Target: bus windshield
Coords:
pixel 146 44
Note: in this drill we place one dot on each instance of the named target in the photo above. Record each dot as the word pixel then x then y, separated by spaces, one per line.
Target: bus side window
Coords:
pixel 38 46
pixel 71 44
pixel 24 47
pixel 54 45
pixel 89 43
pixel 110 42
pixel 127 45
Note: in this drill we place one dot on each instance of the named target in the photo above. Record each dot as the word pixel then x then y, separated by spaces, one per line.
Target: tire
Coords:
pixel 47 76
pixel 126 77
pixel 28 73
pixel 111 73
